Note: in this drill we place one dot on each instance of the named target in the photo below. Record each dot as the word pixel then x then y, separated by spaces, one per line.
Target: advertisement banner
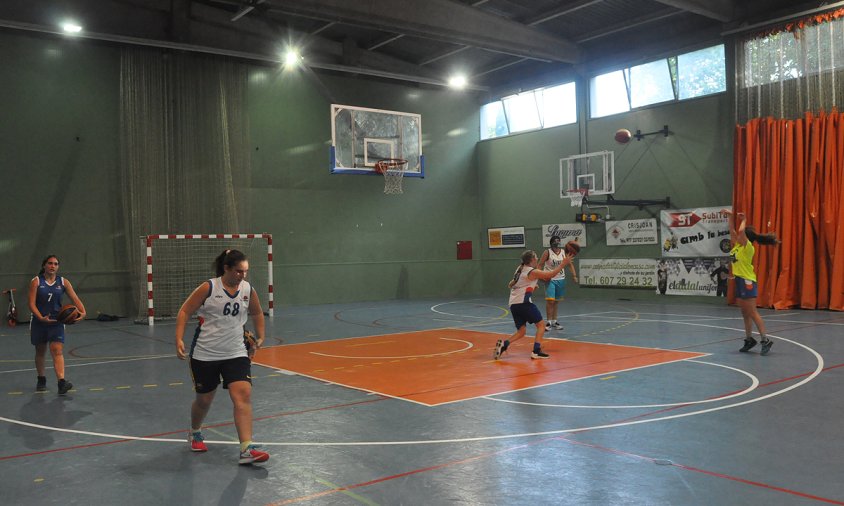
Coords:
pixel 509 237
pixel 632 232
pixel 618 272
pixel 701 232
pixel 566 232
pixel 693 276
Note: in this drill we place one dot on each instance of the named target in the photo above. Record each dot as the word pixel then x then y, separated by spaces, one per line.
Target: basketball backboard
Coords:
pixel 360 137
pixel 592 171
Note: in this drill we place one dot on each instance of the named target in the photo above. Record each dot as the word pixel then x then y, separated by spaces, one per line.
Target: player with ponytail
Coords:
pixel 522 308
pixel 746 288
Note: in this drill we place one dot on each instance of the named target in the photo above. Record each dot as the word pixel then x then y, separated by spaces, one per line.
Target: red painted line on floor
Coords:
pixel 184 431
pixel 407 473
pixel 541 441
pixel 758 484
pixel 567 439
pixel 32 454
pixel 704 471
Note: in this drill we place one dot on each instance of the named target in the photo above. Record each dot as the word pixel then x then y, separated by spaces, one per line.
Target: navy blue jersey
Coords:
pixel 48 298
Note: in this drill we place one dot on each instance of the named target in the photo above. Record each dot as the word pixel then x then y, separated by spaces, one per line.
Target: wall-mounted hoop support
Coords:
pixel 640 203
pixel 665 132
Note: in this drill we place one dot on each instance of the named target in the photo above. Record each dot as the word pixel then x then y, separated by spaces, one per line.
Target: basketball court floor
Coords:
pixel 400 402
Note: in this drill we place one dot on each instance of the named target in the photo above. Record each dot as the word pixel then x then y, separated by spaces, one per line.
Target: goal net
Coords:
pixel 177 264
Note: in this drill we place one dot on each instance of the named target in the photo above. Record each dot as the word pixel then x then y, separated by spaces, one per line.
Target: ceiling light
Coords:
pixel 292 58
pixel 458 81
pixel 71 27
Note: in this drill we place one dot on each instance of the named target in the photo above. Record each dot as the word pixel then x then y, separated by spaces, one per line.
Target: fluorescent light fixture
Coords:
pixel 457 81
pixel 71 27
pixel 291 58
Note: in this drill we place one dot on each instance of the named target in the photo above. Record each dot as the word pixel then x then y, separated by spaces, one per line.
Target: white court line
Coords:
pixel 812 376
pixel 567 381
pixel 171 355
pixel 435 306
pixel 468 346
pixel 754 383
pixel 812 323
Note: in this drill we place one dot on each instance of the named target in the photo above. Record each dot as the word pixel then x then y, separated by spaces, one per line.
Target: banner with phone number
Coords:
pixel 618 272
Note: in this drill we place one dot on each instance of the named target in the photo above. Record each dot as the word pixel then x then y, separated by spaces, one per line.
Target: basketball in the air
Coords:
pixel 572 248
pixel 68 314
pixel 623 136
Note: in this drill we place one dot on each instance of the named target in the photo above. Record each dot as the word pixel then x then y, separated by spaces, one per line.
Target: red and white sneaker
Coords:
pixel 197 442
pixel 252 455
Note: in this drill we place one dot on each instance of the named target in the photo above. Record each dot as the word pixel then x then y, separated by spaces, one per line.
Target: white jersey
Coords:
pixel 222 316
pixel 554 260
pixel 523 288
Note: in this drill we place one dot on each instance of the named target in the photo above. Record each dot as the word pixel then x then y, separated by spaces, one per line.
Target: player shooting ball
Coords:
pixel 555 289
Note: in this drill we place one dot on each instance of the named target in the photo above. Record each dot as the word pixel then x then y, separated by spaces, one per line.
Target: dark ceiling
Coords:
pixel 500 45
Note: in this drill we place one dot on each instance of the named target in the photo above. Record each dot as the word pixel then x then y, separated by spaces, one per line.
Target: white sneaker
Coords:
pixel 547 325
pixel 557 326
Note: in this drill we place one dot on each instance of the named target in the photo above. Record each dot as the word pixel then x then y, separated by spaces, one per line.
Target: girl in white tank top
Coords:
pixel 523 310
pixel 221 317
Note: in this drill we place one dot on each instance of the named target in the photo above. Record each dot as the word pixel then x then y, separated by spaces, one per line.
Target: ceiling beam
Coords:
pixel 212 26
pixel 721 10
pixel 444 20
pixel 628 24
pixel 563 10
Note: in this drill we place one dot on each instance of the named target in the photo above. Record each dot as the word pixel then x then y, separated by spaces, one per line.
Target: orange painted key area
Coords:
pixel 434 367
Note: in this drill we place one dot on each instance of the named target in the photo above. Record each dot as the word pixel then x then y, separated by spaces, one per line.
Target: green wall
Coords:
pixel 339 237
pixel 58 160
pixel 519 176
pixel 336 237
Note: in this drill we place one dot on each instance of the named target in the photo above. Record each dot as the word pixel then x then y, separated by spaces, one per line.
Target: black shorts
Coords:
pixel 526 312
pixel 206 374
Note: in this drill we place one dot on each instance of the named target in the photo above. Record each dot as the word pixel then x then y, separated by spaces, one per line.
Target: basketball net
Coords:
pixel 393 171
pixel 576 196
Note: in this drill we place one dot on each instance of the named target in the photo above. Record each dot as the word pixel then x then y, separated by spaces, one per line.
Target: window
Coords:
pixel 558 105
pixel 784 55
pixel 650 84
pixel 788 70
pixel 680 77
pixel 701 72
pixel 530 110
pixel 609 94
pixel 522 113
pixel 493 122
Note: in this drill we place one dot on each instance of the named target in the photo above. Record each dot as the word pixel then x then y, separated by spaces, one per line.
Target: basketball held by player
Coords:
pixel 555 289
pixel 524 311
pixel 45 330
pixel 217 349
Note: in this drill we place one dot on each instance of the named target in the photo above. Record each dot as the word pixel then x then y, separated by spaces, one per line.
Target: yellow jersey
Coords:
pixel 743 261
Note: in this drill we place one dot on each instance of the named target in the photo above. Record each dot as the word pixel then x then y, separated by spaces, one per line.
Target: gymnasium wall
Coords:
pixel 58 160
pixel 519 178
pixel 339 237
pixel 336 237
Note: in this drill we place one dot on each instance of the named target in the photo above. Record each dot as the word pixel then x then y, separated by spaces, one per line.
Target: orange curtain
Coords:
pixel 788 178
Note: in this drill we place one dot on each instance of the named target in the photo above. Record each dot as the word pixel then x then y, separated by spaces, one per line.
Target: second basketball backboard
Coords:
pixel 592 171
pixel 360 137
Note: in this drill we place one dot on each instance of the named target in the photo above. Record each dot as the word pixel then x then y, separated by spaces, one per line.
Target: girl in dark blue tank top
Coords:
pixel 45 300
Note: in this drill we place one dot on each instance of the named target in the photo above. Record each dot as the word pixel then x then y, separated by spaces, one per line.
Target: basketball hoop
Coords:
pixel 577 195
pixel 393 171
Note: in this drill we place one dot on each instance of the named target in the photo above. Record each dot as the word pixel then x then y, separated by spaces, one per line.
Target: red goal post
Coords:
pixel 177 263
